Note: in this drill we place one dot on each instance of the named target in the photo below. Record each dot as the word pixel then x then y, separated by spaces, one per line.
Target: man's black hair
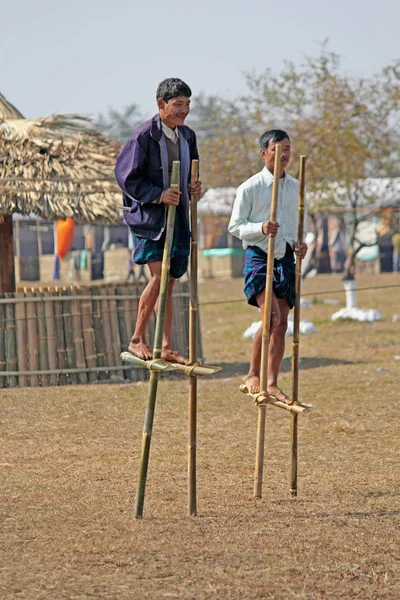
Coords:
pixel 273 135
pixel 172 88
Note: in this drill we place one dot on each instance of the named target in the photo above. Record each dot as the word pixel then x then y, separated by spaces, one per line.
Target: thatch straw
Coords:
pixel 56 167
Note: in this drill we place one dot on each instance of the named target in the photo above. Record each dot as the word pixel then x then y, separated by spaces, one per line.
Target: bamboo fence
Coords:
pixel 65 336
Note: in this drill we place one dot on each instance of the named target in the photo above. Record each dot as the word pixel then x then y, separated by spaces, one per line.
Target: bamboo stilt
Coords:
pixel 162 365
pixel 193 311
pixel 33 346
pixel 296 333
pixel 258 474
pixel 69 338
pixel 60 338
pixel 11 344
pixel 158 338
pixel 22 341
pixel 51 337
pixel 264 398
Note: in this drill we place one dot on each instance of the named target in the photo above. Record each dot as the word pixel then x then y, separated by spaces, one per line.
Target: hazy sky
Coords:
pixel 85 56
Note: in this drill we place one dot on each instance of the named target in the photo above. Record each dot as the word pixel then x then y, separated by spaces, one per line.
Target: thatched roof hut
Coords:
pixel 56 167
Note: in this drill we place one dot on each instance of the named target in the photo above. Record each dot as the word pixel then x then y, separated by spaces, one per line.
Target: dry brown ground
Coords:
pixel 70 457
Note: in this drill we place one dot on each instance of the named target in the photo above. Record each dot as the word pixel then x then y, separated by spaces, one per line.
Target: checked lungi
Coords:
pixel 255 274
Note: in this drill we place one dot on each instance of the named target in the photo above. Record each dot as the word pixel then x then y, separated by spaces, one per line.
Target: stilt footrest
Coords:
pixel 157 364
pixel 263 398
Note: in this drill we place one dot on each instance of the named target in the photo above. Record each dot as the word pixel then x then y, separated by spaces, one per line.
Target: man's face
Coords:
pixel 269 156
pixel 175 111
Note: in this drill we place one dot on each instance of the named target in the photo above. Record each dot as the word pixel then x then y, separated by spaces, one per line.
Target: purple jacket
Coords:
pixel 142 173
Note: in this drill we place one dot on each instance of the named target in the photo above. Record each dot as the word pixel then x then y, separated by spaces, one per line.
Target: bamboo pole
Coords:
pixel 78 339
pixel 33 347
pixel 123 332
pixel 263 398
pixel 105 313
pixel 296 333
pixel 60 337
pixel 158 338
pixel 43 356
pixel 98 334
pixel 11 345
pixel 133 292
pixel 258 474
pixel 3 379
pixel 88 334
pixel 51 337
pixel 193 311
pixel 162 365
pixel 115 338
pixel 22 342
pixel 69 338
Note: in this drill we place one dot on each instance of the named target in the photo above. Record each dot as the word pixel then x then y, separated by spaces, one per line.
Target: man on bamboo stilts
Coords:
pixel 250 222
pixel 143 171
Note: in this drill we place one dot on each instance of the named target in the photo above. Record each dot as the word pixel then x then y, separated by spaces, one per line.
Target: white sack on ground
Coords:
pixel 357 314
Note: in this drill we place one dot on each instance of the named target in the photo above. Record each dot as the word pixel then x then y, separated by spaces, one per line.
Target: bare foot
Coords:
pixel 253 383
pixel 277 394
pixel 140 349
pixel 174 356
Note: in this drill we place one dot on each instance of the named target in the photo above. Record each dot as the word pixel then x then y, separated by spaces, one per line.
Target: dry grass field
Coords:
pixel 70 457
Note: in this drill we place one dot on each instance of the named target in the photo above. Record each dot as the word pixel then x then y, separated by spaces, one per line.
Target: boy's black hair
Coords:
pixel 273 135
pixel 172 88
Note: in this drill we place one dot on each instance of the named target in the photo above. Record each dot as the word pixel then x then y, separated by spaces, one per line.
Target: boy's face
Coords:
pixel 269 155
pixel 175 111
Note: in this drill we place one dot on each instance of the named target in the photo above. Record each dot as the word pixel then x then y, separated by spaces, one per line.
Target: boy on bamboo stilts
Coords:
pixel 143 171
pixel 250 222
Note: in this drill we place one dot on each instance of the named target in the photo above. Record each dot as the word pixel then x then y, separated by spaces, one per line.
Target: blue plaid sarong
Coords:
pixel 146 251
pixel 255 274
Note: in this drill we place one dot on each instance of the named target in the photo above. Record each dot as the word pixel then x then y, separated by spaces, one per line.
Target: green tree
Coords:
pixel 348 127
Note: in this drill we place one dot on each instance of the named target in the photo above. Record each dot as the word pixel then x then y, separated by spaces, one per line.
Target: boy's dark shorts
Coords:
pixel 147 251
pixel 255 273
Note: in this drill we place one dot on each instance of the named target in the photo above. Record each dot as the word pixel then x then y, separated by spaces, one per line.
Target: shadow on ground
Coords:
pixel 233 369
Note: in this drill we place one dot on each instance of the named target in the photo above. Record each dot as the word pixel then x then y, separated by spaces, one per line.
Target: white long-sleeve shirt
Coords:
pixel 252 208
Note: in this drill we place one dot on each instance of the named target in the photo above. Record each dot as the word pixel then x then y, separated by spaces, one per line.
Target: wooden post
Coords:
pixel 11 342
pixel 51 337
pixel 77 336
pixel 98 332
pixel 105 316
pixel 60 337
pixel 69 337
pixel 7 269
pixel 258 474
pixel 296 333
pixel 88 333
pixel 115 338
pixel 22 342
pixel 43 356
pixel 3 380
pixel 33 338
pixel 192 441
pixel 123 330
pixel 158 338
